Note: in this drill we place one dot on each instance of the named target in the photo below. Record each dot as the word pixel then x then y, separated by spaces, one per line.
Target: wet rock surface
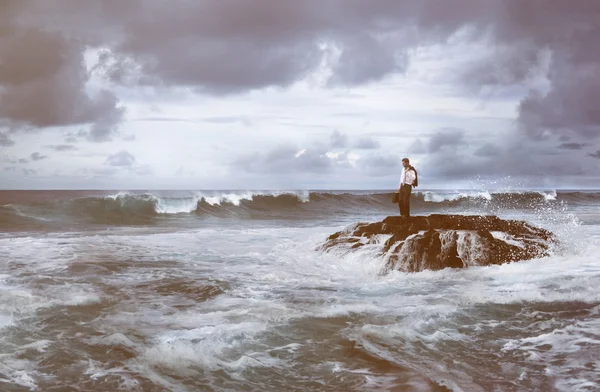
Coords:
pixel 438 241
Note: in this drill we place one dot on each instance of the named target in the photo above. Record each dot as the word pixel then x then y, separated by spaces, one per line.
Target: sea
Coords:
pixel 228 291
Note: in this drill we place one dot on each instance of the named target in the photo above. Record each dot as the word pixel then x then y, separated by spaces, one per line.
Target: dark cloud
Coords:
pixel 518 160
pixel 365 59
pixel 10 168
pixel 23 160
pixel 122 158
pixel 36 156
pixel 63 147
pixel 572 146
pixel 5 141
pixel 595 154
pixel 201 45
pixel 29 172
pixel 222 47
pixel 338 139
pixel 446 138
pixel 367 143
pixel 43 78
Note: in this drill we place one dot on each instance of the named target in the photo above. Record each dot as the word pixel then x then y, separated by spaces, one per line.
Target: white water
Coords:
pixel 440 325
pixel 186 202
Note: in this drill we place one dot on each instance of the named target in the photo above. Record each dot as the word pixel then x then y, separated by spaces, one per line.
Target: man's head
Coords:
pixel 405 162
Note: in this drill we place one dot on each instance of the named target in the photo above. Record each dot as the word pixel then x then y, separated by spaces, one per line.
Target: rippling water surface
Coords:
pixel 188 291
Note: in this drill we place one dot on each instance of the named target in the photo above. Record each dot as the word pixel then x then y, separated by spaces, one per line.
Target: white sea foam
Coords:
pixel 177 205
pixel 274 278
pixel 569 352
pixel 235 198
pixel 208 346
pixel 116 339
pixel 187 202
pixel 438 197
pixel 549 195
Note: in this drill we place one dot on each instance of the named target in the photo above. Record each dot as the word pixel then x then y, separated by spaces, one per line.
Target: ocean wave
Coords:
pixel 146 208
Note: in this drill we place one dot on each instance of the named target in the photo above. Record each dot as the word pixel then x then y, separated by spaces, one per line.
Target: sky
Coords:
pixel 327 94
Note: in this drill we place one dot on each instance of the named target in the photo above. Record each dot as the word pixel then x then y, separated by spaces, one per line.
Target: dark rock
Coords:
pixel 437 241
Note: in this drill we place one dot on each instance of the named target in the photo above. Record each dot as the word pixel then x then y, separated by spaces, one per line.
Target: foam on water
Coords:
pixel 438 197
pixel 275 281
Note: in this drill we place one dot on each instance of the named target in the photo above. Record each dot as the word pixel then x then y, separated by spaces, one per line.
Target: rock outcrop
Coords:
pixel 439 241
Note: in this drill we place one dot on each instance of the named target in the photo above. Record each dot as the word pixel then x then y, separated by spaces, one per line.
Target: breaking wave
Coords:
pixel 146 208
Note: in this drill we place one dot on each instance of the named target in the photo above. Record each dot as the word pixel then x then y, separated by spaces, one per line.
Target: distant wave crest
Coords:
pixel 145 208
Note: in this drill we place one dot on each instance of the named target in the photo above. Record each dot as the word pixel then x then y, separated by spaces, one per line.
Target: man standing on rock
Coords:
pixel 408 179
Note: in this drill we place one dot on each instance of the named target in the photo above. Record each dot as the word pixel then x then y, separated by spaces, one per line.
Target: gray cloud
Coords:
pixel 63 147
pixel 74 137
pixel 163 119
pixel 446 137
pixel 417 147
pixel 10 168
pixel 286 159
pixel 572 146
pixel 338 139
pixel 595 154
pixel 379 165
pixel 5 141
pixel 367 143
pixel 199 45
pixel 365 59
pixel 487 150
pixel 43 78
pixel 122 158
pixel 236 46
pixel 36 156
pixel 522 162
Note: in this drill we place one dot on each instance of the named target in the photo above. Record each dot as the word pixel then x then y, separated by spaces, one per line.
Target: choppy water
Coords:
pixel 188 291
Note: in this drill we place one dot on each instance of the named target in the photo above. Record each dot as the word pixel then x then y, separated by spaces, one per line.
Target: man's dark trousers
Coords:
pixel 404 199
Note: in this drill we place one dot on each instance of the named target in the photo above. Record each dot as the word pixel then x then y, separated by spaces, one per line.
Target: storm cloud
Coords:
pixel 68 63
pixel 43 80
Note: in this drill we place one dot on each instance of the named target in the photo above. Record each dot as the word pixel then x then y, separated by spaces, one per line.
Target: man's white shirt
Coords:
pixel 407 177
